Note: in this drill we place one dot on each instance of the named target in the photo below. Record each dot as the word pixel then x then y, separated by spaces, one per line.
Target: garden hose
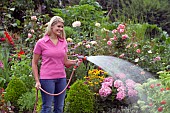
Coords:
pixel 36 101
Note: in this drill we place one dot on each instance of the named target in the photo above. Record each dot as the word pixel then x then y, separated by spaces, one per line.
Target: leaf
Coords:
pixel 8 15
pixel 14 24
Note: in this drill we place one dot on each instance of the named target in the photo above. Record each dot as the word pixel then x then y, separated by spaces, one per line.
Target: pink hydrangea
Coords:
pixel 132 92
pixel 130 83
pixel 108 84
pixel 105 91
pixel 121 88
pixel 108 79
pixel 121 95
pixel 118 83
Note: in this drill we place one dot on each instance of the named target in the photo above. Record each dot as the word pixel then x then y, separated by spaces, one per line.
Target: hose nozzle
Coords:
pixel 82 57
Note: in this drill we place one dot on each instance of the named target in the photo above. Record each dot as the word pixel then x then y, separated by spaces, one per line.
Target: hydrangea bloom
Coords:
pixel 130 83
pixel 118 83
pixel 105 91
pixel 121 95
pixel 132 92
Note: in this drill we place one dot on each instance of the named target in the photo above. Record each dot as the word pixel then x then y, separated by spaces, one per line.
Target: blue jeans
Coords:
pixel 53 86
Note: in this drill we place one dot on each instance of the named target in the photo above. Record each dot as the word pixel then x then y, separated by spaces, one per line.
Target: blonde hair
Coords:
pixel 54 20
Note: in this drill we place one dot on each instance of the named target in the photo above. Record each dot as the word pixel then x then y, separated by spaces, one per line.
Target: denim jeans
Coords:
pixel 53 86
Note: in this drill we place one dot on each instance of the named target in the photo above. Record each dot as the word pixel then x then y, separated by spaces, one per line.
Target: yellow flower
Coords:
pixel 69 39
pixel 96 83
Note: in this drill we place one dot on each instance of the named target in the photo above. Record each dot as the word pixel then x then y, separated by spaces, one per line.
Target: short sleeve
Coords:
pixel 37 48
pixel 66 46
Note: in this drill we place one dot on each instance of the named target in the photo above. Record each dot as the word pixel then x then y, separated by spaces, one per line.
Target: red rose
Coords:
pixel 163 102
pixel 160 109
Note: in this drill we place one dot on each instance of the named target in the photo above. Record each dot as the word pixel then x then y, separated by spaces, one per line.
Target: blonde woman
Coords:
pixel 52 48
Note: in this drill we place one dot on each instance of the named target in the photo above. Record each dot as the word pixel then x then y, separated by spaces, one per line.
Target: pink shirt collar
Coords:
pixel 47 38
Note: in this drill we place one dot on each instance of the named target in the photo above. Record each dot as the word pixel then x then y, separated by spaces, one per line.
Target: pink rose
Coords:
pixel 125 36
pixel 29 35
pixel 138 51
pixel 109 43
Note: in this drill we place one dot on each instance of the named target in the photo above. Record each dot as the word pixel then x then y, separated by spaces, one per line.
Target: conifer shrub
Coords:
pixel 79 99
pixel 14 90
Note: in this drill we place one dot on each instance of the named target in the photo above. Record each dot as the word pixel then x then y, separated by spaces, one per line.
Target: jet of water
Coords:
pixel 117 67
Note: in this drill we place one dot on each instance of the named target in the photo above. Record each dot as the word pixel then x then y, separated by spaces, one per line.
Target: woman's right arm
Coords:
pixel 35 59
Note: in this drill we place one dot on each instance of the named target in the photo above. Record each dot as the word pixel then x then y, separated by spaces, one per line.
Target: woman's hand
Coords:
pixel 78 62
pixel 38 85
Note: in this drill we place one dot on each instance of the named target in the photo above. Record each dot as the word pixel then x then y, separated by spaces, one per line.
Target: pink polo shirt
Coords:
pixel 52 65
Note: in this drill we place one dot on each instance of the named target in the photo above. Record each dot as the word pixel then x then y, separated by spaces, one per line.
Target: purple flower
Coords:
pixel 157 58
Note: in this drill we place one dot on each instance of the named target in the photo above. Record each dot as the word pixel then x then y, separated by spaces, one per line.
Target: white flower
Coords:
pixel 149 51
pixel 93 42
pixel 137 59
pixel 32 30
pixel 33 18
pixel 87 46
pixel 80 43
pixel 76 24
pixel 97 24
pixel 104 29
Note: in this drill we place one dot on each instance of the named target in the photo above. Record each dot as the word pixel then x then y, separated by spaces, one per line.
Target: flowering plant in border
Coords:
pixel 5 107
pixel 94 78
pixel 153 97
pixel 124 87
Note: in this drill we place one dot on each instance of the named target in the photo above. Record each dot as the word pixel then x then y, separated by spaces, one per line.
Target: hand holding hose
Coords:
pixel 78 62
pixel 38 85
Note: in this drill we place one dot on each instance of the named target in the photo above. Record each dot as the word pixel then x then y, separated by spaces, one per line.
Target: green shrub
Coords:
pixel 69 31
pixel 79 99
pixel 14 90
pixel 28 81
pixel 26 102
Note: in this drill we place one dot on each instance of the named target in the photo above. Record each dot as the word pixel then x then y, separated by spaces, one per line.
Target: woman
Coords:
pixel 52 48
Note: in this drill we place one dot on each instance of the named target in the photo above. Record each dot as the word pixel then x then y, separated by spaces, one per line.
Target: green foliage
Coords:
pixel 26 102
pixel 165 77
pixel 83 13
pixel 5 71
pixel 14 90
pixel 21 67
pixel 29 81
pixel 79 99
pixel 91 2
pixel 151 11
pixel 69 31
